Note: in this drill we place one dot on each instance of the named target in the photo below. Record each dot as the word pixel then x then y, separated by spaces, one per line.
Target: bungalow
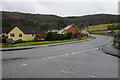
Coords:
pixel 18 33
pixel 85 33
pixel 71 28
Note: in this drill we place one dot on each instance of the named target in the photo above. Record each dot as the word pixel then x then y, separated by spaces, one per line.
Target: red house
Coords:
pixel 71 28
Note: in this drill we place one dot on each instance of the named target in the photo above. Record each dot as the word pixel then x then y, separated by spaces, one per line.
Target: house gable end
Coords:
pixel 73 27
pixel 16 34
pixel 16 29
pixel 70 28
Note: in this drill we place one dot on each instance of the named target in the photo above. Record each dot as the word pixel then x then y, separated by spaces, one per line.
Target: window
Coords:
pixel 12 35
pixel 20 35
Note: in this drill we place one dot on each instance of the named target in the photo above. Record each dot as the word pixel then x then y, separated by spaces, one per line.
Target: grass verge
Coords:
pixel 44 42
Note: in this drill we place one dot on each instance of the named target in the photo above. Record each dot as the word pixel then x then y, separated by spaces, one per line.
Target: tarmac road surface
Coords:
pixel 77 60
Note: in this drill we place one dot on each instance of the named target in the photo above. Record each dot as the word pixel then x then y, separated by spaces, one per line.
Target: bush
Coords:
pixel 52 36
pixel 69 35
pixel 62 37
pixel 49 36
pixel 3 40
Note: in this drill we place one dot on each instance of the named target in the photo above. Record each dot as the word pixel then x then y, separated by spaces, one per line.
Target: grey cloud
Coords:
pixel 62 8
pixel 18 6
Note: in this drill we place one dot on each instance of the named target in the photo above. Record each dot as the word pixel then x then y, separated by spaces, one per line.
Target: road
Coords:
pixel 78 60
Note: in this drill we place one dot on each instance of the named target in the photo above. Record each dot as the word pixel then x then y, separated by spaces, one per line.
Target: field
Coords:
pixel 116 31
pixel 103 28
pixel 98 27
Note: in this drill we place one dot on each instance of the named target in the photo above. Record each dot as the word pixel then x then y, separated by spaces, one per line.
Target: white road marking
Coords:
pixel 100 48
pixel 64 71
pixel 66 54
pixel 53 57
pixel 91 76
pixel 88 50
pixel 97 48
pixel 49 57
pixel 23 64
pixel 92 49
pixel 73 53
pixel 14 65
pixel 43 58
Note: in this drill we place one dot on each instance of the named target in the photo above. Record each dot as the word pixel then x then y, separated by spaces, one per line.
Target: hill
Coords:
pixel 43 23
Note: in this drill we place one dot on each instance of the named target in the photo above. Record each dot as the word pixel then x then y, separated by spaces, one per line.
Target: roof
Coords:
pixel 26 30
pixel 69 26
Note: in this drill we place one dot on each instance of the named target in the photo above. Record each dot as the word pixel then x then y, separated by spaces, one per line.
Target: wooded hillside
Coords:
pixel 43 23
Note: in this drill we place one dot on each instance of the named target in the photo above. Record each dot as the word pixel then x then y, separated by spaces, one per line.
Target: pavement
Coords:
pixel 78 60
pixel 110 49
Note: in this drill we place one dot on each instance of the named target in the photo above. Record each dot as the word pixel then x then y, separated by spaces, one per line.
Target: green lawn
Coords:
pixel 44 42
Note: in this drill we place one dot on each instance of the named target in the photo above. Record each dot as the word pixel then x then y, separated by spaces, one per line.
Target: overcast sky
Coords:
pixel 62 7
